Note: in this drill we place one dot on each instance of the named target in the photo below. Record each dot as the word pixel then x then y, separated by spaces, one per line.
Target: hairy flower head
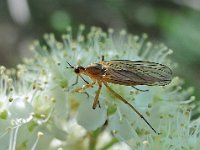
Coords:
pixel 43 100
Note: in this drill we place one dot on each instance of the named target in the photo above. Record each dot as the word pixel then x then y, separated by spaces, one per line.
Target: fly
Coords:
pixel 123 72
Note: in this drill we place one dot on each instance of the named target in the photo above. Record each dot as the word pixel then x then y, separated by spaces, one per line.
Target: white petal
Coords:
pixel 90 118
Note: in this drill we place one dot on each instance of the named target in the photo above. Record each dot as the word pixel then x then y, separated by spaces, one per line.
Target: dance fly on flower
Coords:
pixel 123 72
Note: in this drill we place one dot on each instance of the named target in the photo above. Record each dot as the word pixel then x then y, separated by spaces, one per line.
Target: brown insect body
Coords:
pixel 95 71
pixel 124 72
pixel 129 73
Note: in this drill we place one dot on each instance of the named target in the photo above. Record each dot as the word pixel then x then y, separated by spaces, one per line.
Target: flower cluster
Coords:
pixel 40 110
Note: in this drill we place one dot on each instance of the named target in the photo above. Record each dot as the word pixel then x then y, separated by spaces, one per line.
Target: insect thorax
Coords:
pixel 95 69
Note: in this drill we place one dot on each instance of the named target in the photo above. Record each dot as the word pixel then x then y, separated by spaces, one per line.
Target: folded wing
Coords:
pixel 132 73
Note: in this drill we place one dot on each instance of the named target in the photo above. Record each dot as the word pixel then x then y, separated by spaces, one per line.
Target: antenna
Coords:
pixel 70 66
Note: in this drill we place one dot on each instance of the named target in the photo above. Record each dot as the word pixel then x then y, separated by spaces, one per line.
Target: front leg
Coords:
pixel 84 87
pixel 96 99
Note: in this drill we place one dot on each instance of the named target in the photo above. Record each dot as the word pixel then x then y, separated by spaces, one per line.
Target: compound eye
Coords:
pixel 77 70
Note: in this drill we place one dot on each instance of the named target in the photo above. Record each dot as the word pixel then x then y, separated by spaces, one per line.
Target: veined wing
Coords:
pixel 132 73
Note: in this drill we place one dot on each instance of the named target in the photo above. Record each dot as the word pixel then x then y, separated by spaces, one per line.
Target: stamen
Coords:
pixel 36 142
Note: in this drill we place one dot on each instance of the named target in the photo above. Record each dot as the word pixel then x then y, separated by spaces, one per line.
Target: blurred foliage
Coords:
pixel 175 23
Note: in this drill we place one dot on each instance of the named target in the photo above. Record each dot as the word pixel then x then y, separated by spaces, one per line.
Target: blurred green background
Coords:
pixel 173 22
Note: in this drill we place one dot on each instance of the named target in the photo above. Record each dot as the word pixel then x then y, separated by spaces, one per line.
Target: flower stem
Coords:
pixel 93 138
pixel 111 143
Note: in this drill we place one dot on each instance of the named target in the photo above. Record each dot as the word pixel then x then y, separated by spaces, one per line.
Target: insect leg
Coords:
pixel 126 102
pixel 75 81
pixel 80 89
pixel 96 99
pixel 83 79
pixel 102 58
pixel 73 84
pixel 139 89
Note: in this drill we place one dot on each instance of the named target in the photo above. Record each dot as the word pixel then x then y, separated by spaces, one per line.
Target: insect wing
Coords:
pixel 132 73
